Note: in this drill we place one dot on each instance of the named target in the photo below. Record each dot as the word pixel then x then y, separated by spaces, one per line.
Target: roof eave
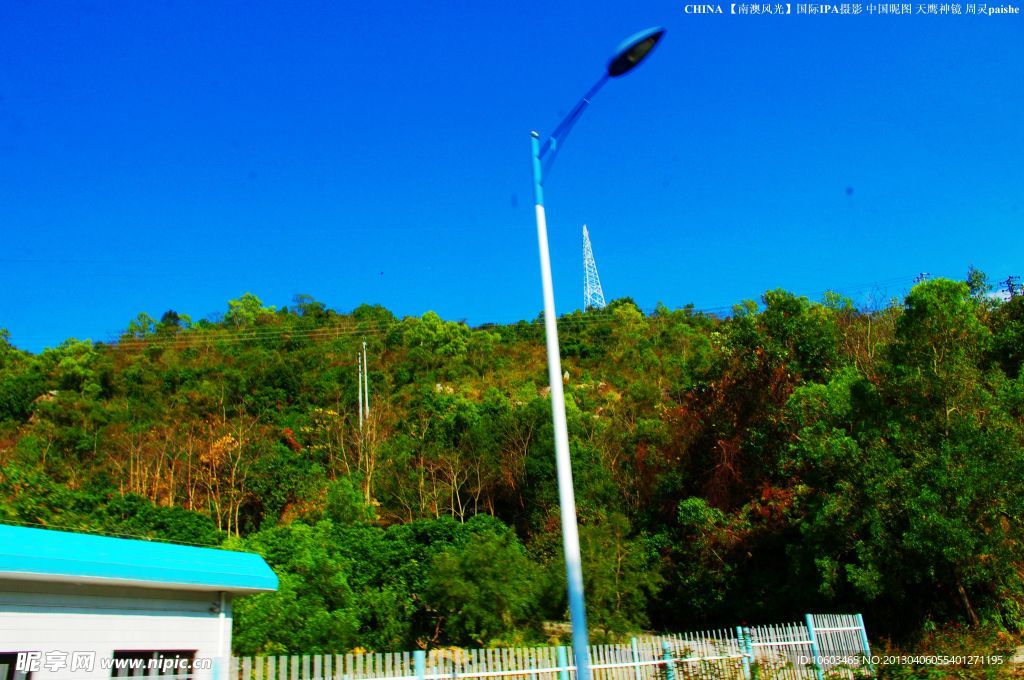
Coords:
pixel 79 579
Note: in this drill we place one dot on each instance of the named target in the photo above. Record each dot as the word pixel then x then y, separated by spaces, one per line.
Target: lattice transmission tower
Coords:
pixel 593 296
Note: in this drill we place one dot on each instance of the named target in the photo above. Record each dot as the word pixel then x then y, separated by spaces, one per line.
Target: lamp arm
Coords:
pixel 557 138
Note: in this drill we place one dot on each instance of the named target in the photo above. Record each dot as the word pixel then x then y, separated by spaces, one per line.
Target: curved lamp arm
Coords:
pixel 628 56
pixel 554 142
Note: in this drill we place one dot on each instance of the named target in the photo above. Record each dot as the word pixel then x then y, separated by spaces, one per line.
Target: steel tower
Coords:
pixel 593 296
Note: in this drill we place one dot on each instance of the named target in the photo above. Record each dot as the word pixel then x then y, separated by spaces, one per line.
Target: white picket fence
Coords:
pixel 838 642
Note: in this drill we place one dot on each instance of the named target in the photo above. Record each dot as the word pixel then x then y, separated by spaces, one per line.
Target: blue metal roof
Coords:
pixel 64 557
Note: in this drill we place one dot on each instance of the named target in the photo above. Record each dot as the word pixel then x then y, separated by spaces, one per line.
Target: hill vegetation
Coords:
pixel 796 456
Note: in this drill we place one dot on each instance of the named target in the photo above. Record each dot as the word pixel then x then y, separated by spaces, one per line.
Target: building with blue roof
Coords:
pixel 83 606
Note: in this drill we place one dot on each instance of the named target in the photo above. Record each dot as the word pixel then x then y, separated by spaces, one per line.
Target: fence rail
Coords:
pixel 832 645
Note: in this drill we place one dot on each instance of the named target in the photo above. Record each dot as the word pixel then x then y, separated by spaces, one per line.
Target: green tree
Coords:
pixel 246 310
pixel 314 609
pixel 1008 336
pixel 20 381
pixel 432 336
pixel 345 504
pixel 483 590
pixel 621 575
pixel 141 326
pixel 909 486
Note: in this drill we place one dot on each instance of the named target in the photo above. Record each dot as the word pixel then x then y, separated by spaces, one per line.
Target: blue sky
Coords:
pixel 174 155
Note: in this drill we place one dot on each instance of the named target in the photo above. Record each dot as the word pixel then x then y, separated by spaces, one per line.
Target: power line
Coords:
pixel 190 339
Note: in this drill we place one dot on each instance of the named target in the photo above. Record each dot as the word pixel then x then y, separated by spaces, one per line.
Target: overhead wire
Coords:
pixel 188 337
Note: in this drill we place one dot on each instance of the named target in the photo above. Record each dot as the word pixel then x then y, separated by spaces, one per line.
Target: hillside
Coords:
pixel 795 456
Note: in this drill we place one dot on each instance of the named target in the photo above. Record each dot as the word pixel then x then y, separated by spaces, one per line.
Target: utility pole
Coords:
pixel 366 381
pixel 359 381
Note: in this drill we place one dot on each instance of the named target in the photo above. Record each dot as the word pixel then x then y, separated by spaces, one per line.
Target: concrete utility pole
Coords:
pixel 366 381
pixel 359 382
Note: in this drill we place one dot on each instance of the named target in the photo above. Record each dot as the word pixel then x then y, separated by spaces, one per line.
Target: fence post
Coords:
pixel 864 642
pixel 815 650
pixel 743 652
pixel 748 641
pixel 670 664
pixel 419 660
pixel 636 660
pixel 563 663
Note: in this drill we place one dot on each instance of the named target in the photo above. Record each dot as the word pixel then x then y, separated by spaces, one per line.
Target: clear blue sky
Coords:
pixel 174 155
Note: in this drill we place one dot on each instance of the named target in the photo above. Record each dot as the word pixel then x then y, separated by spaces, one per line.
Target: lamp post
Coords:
pixel 629 54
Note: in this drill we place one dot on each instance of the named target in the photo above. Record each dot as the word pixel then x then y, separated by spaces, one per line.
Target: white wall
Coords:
pixel 36 616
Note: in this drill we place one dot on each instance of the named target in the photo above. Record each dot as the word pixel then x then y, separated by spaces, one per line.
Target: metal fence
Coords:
pixel 820 647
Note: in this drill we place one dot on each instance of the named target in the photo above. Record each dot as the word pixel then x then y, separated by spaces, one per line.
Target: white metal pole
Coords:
pixel 566 495
pixel 359 381
pixel 629 54
pixel 366 382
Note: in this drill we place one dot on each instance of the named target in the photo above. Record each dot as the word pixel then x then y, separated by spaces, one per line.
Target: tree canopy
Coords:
pixel 792 456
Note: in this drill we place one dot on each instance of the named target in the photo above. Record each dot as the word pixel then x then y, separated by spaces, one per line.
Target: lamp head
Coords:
pixel 633 50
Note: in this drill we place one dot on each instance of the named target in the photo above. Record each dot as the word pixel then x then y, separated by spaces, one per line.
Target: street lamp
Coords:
pixel 630 53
